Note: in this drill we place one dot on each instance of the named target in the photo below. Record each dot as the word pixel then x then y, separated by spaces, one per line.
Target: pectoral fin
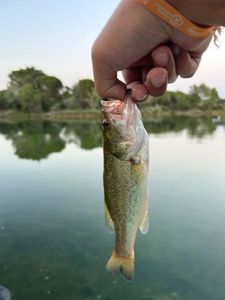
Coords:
pixel 108 220
pixel 145 224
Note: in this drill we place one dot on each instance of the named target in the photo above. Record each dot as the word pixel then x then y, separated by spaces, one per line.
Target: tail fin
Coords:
pixel 122 264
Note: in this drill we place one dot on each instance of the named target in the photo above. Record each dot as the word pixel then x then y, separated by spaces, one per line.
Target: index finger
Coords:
pixel 106 82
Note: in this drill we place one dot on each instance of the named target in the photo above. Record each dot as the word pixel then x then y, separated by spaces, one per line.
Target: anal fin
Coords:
pixel 145 224
pixel 108 220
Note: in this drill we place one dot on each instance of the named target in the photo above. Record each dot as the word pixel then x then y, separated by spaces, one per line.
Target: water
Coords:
pixel 53 240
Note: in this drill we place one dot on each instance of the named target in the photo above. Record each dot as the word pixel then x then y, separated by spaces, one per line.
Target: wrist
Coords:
pixel 203 12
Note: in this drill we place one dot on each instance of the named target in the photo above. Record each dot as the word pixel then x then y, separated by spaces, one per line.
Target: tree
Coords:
pixel 175 100
pixel 208 98
pixel 29 99
pixel 32 90
pixel 85 95
pixel 8 100
pixel 3 100
pixel 198 97
pixel 50 87
pixel 22 77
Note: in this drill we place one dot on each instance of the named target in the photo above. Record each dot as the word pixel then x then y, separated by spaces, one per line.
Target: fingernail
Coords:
pixel 141 98
pixel 159 80
pixel 162 59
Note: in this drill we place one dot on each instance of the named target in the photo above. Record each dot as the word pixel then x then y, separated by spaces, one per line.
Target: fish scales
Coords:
pixel 125 179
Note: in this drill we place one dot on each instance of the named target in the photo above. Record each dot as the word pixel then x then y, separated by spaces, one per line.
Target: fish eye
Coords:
pixel 105 123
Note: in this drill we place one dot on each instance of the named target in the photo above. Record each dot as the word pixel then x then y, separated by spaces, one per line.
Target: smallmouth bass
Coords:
pixel 126 160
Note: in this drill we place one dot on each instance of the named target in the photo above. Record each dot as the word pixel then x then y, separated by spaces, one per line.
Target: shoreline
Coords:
pixel 95 115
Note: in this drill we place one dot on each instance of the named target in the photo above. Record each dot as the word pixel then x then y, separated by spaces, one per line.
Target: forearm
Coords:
pixel 205 12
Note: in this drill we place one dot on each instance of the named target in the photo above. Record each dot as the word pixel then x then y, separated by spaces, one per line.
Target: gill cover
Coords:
pixel 118 124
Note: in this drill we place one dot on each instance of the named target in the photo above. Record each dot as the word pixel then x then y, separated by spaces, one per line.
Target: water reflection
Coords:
pixel 87 135
pixel 36 140
pixel 54 242
pixel 196 127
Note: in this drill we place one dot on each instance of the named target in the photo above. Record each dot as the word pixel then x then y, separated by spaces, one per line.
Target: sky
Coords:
pixel 56 37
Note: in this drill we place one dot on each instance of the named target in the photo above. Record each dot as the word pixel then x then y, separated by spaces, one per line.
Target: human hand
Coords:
pixel 130 42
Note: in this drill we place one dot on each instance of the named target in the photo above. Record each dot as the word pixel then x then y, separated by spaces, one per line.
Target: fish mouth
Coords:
pixel 115 107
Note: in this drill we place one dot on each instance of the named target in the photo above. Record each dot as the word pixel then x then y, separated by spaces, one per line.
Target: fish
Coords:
pixel 125 179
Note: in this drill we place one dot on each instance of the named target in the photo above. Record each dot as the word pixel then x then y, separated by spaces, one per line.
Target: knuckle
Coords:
pixel 161 50
pixel 94 52
pixel 97 52
pixel 100 91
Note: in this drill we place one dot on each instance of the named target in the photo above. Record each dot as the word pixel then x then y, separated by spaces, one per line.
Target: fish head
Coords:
pixel 123 127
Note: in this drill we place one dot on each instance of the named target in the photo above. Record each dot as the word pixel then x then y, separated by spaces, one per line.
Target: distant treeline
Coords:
pixel 32 91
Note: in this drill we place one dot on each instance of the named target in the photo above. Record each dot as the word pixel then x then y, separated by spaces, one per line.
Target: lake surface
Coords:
pixel 53 240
